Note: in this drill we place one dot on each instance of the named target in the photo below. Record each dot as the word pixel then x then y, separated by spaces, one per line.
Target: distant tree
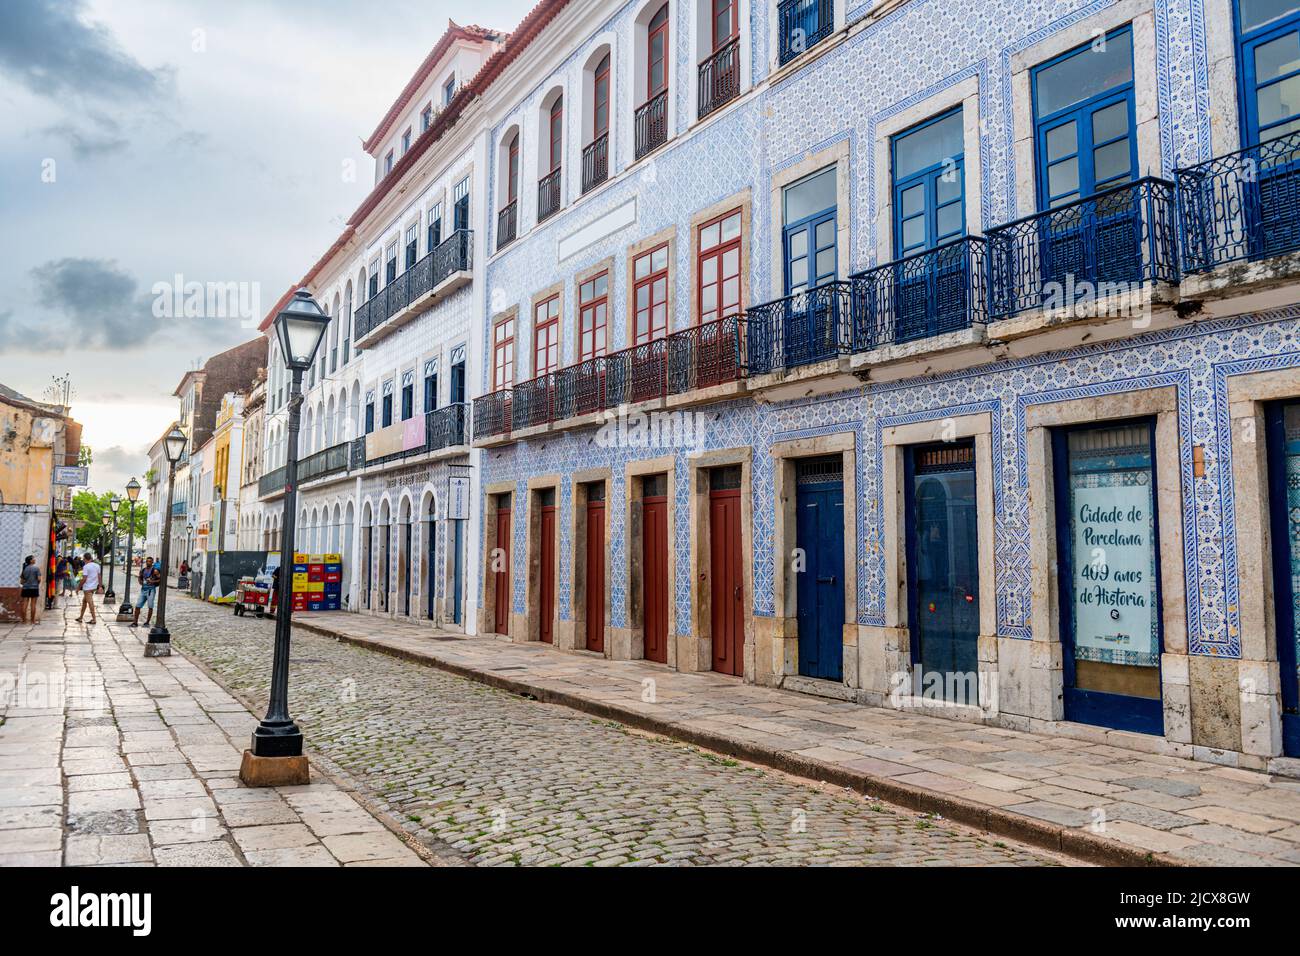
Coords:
pixel 85 456
pixel 89 505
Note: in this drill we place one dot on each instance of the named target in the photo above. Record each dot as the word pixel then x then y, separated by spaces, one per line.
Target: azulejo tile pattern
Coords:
pixel 841 97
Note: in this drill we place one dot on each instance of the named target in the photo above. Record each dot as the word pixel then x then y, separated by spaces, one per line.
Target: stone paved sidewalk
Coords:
pixel 1084 797
pixel 109 758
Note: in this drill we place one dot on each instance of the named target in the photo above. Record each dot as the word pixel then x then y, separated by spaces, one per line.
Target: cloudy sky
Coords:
pixel 148 139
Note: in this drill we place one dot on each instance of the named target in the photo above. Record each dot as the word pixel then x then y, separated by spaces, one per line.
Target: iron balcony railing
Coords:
pixel 930 293
pixel 327 461
pixel 810 326
pixel 595 162
pixel 706 355
pixel 507 223
pixel 492 414
pixel 719 81
pixel 179 508
pixel 357 454
pixel 548 194
pixel 1106 244
pixel 698 357
pixel 272 481
pixel 651 121
pixel 445 427
pixel 1242 206
pixel 454 254
pixel 801 24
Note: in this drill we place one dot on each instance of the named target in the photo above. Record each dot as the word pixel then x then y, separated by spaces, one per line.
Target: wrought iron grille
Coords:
pixel 532 400
pixel 327 461
pixel 706 355
pixel 719 81
pixel 1107 244
pixel 507 221
pixel 814 471
pixel 492 414
pixel 454 254
pixel 548 194
pixel 272 481
pixel 651 120
pixel 937 291
pixel 637 374
pixel 595 162
pixel 357 455
pixel 1242 206
pixel 801 24
pixel 811 326
pixel 445 427
pixel 580 389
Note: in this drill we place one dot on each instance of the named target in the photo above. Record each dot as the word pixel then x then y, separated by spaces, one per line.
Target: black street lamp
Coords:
pixel 160 639
pixel 132 493
pixel 114 502
pixel 276 758
pixel 105 519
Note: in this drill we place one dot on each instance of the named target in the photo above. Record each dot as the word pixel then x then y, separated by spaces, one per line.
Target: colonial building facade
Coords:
pixel 919 355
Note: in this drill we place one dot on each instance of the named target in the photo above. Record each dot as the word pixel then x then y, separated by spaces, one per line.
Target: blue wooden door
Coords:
pixel 1109 572
pixel 943 569
pixel 1284 518
pixel 819 531
pixel 431 565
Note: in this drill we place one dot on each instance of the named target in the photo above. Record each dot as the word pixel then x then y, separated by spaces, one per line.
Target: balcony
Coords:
pixel 1240 208
pixel 419 288
pixel 719 81
pixel 179 509
pixel 800 25
pixel 440 429
pixel 924 295
pixel 595 162
pixel 651 122
pixel 1106 246
pixel 507 224
pixel 815 325
pixel 548 194
pixel 327 461
pixel 692 362
pixel 272 482
pixel 445 427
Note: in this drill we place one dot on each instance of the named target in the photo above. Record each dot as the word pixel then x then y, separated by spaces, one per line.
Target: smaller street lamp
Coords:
pixel 105 519
pixel 114 502
pixel 132 493
pixel 275 757
pixel 160 639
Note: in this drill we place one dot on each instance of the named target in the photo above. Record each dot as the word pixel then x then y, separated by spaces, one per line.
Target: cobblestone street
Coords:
pixel 503 779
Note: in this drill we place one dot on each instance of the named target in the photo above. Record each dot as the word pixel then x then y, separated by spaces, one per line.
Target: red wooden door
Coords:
pixel 502 581
pixel 595 575
pixel 546 593
pixel 728 593
pixel 654 568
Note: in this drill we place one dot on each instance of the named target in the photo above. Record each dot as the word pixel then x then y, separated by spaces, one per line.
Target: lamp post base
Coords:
pixel 109 599
pixel 257 771
pixel 277 739
pixel 125 612
pixel 159 644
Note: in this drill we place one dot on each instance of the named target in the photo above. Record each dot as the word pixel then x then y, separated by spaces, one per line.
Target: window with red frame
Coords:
pixel 600 99
pixel 557 134
pixel 657 53
pixel 512 187
pixel 503 354
pixel 593 316
pixel 546 336
pixel 724 22
pixel 719 267
pixel 650 295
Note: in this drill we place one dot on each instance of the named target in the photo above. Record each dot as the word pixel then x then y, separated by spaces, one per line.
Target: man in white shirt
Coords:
pixel 90 583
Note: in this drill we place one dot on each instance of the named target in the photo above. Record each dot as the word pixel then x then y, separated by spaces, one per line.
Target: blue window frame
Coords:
pixel 370 417
pixel 808 238
pixel 1268 62
pixel 435 227
pixel 1084 120
pixel 458 382
pixel 928 165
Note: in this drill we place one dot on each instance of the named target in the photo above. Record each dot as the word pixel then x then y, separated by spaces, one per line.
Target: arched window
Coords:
pixel 508 188
pixel 651 78
pixel 657 53
pixel 550 156
pixel 596 99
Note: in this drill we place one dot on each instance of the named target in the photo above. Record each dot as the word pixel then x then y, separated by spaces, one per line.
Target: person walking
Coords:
pixel 90 585
pixel 150 578
pixel 30 579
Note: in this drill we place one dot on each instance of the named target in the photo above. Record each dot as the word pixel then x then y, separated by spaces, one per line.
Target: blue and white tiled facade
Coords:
pixel 884 59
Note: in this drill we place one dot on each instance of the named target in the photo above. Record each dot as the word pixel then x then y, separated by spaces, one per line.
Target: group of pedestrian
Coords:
pixel 82 575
